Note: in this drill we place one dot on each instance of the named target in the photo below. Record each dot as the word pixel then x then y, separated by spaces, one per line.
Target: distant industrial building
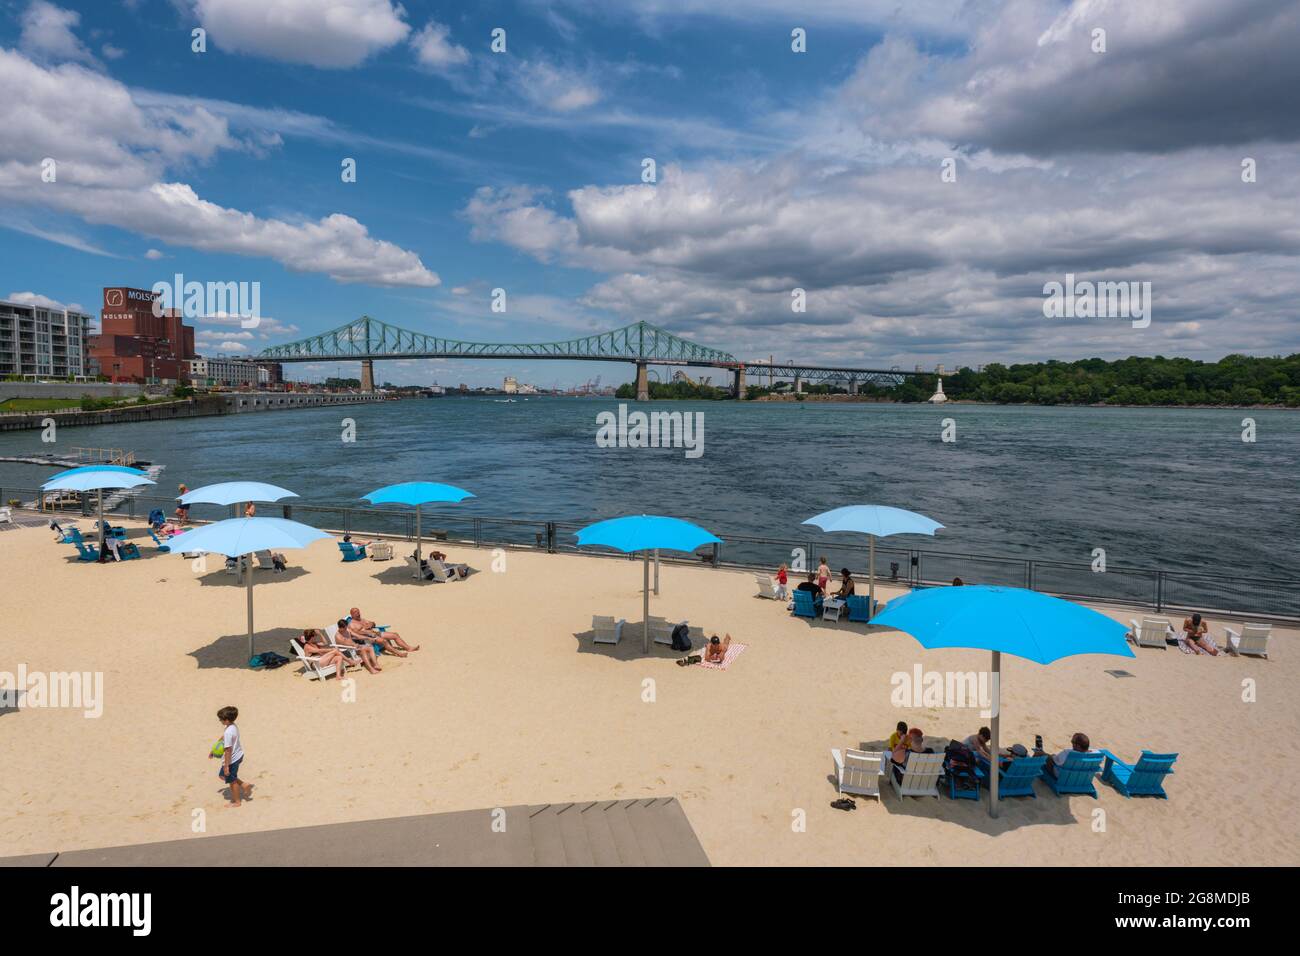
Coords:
pixel 232 372
pixel 135 345
pixel 41 342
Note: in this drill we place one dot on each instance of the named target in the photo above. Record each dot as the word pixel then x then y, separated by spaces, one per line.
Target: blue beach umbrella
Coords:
pixel 236 537
pixel 233 492
pixel 1028 624
pixel 416 493
pixel 646 533
pixel 876 521
pixel 96 478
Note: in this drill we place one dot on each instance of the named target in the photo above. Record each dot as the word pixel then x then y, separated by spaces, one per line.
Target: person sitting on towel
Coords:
pixel 391 641
pixel 715 652
pixel 1196 634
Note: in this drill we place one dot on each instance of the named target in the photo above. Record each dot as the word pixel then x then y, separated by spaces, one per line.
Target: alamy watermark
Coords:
pixel 1098 300
pixel 71 690
pixel 955 689
pixel 651 430
pixel 196 300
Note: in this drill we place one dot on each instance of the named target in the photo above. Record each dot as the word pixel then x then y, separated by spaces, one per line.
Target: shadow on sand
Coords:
pixel 231 651
pixel 222 579
pixel 629 646
pixel 1014 812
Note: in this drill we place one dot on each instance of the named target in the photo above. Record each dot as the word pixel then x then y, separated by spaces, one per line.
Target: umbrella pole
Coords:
pixel 645 611
pixel 103 538
pixel 656 572
pixel 248 588
pixel 417 542
pixel 871 576
pixel 997 719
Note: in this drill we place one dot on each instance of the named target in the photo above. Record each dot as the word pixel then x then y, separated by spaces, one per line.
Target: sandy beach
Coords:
pixel 509 702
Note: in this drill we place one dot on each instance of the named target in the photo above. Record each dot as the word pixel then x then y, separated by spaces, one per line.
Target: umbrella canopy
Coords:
pixel 233 492
pixel 878 521
pixel 235 537
pixel 121 468
pixel 646 533
pixel 97 478
pixel 416 493
pixel 1028 624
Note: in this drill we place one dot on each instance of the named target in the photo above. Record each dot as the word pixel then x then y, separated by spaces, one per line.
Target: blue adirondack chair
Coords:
pixel 805 606
pixel 158 541
pixel 955 777
pixel 1142 779
pixel 857 604
pixel 70 534
pixel 119 533
pixel 352 552
pixel 85 552
pixel 1075 776
pixel 127 551
pixel 1018 779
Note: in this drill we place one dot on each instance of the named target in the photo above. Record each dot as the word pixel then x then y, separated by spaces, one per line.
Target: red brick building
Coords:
pixel 134 344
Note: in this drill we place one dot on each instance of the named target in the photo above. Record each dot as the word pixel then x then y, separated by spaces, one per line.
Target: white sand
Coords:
pixel 509 702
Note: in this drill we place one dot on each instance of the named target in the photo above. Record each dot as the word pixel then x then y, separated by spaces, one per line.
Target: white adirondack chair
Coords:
pixel 860 771
pixel 765 588
pixel 1251 639
pixel 6 515
pixel 314 669
pixel 920 776
pixel 1151 632
pixel 442 573
pixel 606 630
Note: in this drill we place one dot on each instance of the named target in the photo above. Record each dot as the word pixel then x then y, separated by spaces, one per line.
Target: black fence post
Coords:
pixel 1160 591
pixel 288 512
pixel 717 554
pixel 550 537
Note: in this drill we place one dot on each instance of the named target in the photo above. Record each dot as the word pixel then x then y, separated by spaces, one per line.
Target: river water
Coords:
pixel 1170 488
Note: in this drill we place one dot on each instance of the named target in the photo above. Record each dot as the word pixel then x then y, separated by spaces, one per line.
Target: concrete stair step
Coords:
pixel 548 842
pixel 620 828
pixel 604 851
pixel 645 824
pixel 573 831
pixel 676 835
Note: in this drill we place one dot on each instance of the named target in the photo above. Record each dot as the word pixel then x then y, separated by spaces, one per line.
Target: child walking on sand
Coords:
pixel 232 754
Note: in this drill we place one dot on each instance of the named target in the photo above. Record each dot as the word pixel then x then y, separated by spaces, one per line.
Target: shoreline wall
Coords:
pixel 226 403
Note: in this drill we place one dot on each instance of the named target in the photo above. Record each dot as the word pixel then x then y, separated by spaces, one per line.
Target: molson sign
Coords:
pixel 128 298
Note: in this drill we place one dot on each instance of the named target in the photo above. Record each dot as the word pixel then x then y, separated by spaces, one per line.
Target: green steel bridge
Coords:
pixel 368 340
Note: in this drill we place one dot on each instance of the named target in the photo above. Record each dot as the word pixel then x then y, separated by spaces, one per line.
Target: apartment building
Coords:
pixel 41 342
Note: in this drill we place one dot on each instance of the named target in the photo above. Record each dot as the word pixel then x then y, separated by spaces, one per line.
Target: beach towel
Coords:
pixel 733 651
pixel 1183 646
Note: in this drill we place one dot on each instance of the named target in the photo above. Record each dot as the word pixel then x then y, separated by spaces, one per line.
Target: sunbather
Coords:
pixel 347 539
pixel 363 649
pixel 315 646
pixel 391 640
pixel 439 560
pixel 1196 635
pixel 1079 743
pixel 715 652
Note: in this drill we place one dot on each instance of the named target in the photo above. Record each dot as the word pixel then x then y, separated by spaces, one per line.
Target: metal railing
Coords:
pixel 1164 590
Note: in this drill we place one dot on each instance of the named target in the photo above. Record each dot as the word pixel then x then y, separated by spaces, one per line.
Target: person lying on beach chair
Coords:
pixel 361 651
pixel 440 559
pixel 390 640
pixel 315 645
pixel 715 652
pixel 1079 743
pixel 1196 635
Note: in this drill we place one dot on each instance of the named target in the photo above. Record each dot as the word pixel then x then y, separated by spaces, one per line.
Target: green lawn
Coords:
pixel 38 404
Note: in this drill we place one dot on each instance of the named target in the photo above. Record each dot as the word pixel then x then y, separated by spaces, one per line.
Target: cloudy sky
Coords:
pixel 1103 138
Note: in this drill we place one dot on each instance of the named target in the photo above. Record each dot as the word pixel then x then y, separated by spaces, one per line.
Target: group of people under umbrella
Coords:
pixel 1002 620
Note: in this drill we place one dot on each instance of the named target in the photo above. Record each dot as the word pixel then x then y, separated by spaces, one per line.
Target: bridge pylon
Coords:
pixel 739 383
pixel 367 375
